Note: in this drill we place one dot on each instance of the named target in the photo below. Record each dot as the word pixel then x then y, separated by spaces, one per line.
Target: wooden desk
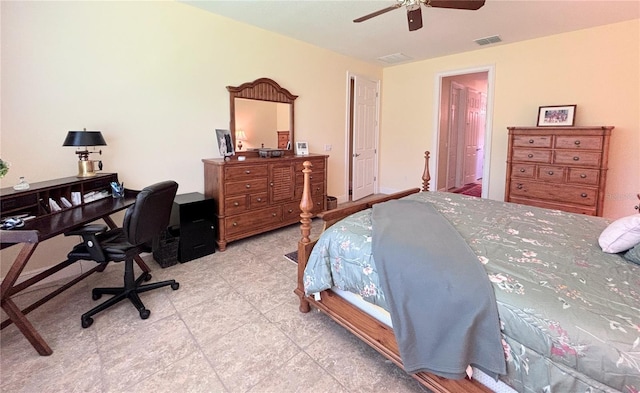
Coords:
pixel 37 230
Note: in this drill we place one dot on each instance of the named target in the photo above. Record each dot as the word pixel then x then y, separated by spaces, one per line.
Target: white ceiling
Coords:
pixel 329 24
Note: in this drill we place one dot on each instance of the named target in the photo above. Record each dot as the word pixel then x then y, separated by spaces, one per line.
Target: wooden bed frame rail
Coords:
pixel 365 327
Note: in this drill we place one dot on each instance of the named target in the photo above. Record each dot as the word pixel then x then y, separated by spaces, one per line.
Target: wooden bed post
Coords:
pixel 426 176
pixel 306 205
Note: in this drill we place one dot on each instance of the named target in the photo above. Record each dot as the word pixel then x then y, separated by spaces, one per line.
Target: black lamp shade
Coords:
pixel 84 138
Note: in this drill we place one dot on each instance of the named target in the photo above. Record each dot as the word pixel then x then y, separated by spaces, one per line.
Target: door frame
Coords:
pixel 348 134
pixel 488 126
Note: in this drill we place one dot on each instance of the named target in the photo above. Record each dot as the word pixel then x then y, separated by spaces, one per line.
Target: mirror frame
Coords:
pixel 262 89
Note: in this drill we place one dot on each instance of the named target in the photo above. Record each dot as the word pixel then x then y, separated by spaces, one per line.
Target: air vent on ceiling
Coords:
pixel 488 40
pixel 395 58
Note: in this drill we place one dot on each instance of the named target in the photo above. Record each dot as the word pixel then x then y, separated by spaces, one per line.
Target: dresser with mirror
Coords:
pixel 254 194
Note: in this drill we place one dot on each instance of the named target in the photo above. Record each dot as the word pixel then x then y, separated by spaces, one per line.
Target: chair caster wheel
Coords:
pixel 147 277
pixel 86 322
pixel 144 313
pixel 175 286
pixel 96 296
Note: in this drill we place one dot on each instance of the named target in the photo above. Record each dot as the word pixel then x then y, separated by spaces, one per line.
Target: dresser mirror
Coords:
pixel 263 111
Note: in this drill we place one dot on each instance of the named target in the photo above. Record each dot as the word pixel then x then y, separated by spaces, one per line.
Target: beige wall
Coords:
pixel 598 69
pixel 151 76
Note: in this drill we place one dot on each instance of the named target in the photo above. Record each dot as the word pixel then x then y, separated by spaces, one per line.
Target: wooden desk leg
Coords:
pixel 137 258
pixel 27 329
pixel 10 307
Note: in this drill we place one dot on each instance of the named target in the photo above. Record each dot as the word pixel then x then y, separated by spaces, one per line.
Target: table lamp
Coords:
pixel 85 139
pixel 240 136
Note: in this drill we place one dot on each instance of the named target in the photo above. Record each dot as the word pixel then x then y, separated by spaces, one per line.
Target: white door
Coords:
pixel 365 129
pixel 455 109
pixel 474 108
pixel 481 126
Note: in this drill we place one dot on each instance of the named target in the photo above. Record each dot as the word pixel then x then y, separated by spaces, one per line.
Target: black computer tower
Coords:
pixel 195 217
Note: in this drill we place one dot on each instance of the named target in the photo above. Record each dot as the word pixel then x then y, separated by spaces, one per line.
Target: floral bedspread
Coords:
pixel 570 313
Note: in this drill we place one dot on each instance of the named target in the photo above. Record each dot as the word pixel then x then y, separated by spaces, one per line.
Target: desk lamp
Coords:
pixel 240 136
pixel 84 139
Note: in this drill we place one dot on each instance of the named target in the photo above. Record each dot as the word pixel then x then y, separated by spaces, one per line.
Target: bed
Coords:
pixel 580 332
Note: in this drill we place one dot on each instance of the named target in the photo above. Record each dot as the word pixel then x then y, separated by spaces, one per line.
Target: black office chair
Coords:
pixel 142 222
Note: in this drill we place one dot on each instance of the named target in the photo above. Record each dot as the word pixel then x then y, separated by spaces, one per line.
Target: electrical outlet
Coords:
pixel 327 147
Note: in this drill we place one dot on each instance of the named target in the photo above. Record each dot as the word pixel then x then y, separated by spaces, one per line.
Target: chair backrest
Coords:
pixel 150 214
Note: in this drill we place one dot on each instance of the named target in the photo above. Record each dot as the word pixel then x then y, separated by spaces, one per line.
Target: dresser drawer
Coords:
pixel 532 155
pixel 247 186
pixel 251 220
pixel 318 203
pixel 584 176
pixel 316 189
pixel 523 170
pixel 318 166
pixel 258 201
pixel 292 211
pixel 245 172
pixel 577 158
pixel 233 205
pixel 551 173
pixel 554 192
pixel 532 141
pixel 579 142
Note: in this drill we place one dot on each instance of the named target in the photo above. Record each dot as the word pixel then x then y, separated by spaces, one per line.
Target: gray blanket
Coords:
pixel 441 302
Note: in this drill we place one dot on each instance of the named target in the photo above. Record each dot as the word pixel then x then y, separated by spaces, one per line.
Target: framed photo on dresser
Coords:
pixel 556 116
pixel 225 143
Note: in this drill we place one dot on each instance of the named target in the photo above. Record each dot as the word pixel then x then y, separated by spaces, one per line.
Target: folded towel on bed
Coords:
pixel 441 302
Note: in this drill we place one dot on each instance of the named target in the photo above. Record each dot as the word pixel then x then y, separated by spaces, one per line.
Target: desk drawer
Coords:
pixel 554 192
pixel 584 176
pixel 18 202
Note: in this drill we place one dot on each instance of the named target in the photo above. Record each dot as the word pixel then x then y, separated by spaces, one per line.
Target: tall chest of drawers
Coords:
pixel 561 168
pixel 260 194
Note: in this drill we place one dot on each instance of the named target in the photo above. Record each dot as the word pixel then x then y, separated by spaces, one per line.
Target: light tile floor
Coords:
pixel 233 326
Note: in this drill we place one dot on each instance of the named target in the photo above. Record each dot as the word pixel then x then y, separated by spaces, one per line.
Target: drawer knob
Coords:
pixel 248 185
pixel 271 184
pixel 519 186
pixel 247 171
pixel 576 158
pixel 318 203
pixel 522 170
pixel 577 143
pixel 310 177
pixel 236 204
pixel 530 155
pixel 273 214
pixel 259 199
pixel 531 141
pixel 584 195
pixel 583 176
pixel 235 224
pixel 290 210
pixel 550 173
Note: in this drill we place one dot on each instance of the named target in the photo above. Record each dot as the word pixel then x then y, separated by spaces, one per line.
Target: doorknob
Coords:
pixel 356 154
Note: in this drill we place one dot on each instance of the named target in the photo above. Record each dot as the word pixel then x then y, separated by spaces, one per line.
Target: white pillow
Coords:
pixel 621 235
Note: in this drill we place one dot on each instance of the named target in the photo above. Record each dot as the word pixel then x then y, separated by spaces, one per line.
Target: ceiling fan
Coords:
pixel 414 13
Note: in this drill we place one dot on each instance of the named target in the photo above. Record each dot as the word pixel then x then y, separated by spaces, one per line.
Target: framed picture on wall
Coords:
pixel 556 115
pixel 225 143
pixel 302 149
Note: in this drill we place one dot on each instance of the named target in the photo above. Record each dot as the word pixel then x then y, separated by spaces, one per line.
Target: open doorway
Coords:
pixel 463 132
pixel 362 136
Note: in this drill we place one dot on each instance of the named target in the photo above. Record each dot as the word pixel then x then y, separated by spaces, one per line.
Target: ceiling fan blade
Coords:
pixel 379 12
pixel 457 4
pixel 414 17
